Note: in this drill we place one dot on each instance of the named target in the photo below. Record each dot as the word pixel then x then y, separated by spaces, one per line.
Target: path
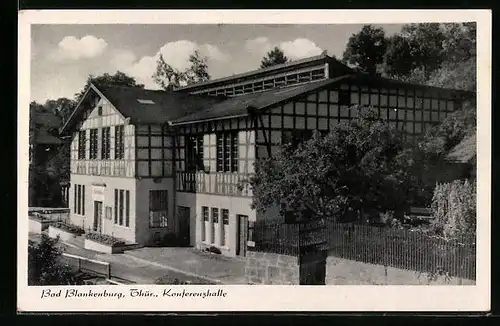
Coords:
pixel 146 265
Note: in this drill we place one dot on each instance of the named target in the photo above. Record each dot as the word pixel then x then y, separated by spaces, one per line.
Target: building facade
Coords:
pixel 148 163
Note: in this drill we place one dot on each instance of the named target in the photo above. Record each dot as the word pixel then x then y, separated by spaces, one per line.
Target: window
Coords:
pixel 79 200
pixel 204 211
pixel 344 97
pixel 127 208
pixel 75 197
pixel 81 144
pixel 215 215
pixel 122 207
pixel 295 137
pixel 194 153
pixel 227 152
pixel 158 208
pixel 99 110
pixel 93 144
pixel 119 144
pixel 225 216
pixel 109 212
pixel 105 145
pixel 215 219
pixel 225 221
pixel 116 206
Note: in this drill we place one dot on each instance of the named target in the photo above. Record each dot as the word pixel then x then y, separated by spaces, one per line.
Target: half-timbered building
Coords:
pixel 146 163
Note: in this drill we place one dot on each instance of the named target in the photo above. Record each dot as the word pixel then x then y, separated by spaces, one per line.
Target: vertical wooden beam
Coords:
pixel 268 144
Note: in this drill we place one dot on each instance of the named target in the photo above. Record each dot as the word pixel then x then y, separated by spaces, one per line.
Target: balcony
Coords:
pixel 218 183
pixel 113 168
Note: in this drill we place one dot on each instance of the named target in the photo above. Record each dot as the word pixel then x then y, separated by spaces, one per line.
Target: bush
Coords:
pixel 71 228
pixel 105 239
pixel 44 265
pixel 38 217
pixel 454 209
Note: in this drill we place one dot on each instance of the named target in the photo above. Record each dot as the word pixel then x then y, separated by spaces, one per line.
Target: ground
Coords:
pixel 153 265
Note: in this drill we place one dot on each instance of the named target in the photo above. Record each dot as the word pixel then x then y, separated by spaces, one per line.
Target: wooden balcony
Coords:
pixel 112 168
pixel 218 183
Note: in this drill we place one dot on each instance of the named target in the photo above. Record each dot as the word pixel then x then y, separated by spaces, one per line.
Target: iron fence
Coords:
pixel 394 247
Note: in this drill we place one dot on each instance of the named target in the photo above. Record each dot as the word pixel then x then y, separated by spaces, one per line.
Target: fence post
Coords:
pixel 109 271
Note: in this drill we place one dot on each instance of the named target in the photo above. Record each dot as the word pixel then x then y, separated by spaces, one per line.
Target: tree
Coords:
pixel 198 71
pixel 356 167
pixel 454 210
pixel 442 55
pixel 455 75
pixel 62 107
pixel 118 79
pixel 427 160
pixel 365 50
pixel 167 77
pixel 44 265
pixel 451 131
pixel 274 57
pixel 417 46
pixel 459 43
pixel 397 58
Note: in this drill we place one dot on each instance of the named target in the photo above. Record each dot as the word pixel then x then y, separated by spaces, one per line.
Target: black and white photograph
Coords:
pixel 171 160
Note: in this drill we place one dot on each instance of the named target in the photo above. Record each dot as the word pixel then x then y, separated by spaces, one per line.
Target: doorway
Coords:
pixel 97 216
pixel 183 215
pixel 241 244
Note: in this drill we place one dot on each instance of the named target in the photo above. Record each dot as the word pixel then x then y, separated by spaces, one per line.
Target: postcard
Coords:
pixel 254 160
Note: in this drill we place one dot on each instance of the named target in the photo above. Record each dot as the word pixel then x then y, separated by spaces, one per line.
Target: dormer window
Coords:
pixel 143 101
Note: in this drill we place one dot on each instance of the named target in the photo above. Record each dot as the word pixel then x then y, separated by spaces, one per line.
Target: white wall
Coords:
pixel 107 197
pixel 145 234
pixel 235 205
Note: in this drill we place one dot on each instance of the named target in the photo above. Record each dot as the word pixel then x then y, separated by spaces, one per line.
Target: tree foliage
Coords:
pixel 357 166
pixel 118 79
pixel 274 57
pixel 454 209
pixel 168 77
pixel 451 131
pixel 366 49
pixel 62 107
pixel 45 266
pixel 442 55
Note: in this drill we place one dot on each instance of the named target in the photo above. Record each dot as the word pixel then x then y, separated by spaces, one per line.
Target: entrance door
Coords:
pixel 241 245
pixel 97 216
pixel 183 214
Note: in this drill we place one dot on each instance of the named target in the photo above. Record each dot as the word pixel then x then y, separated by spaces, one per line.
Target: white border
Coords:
pixel 271 298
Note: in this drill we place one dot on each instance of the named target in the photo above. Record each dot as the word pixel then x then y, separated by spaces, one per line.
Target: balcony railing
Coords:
pixel 220 183
pixel 114 168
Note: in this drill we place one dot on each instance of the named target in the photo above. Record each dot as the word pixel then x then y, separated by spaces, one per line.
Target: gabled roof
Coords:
pixel 464 152
pixel 285 66
pixel 143 106
pixel 238 106
pixel 155 106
